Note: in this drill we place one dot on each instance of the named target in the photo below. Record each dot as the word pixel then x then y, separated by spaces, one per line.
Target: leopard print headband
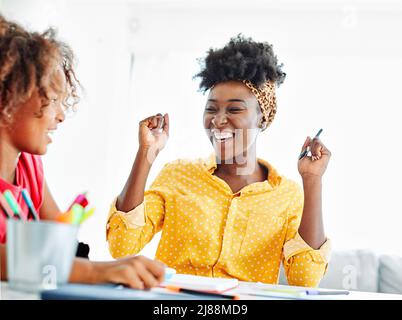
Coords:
pixel 266 97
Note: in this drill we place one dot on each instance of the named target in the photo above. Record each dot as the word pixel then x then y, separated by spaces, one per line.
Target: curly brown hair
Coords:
pixel 27 61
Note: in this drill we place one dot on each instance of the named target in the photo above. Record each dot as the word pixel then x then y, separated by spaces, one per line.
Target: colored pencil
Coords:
pixel 32 212
pixel 13 203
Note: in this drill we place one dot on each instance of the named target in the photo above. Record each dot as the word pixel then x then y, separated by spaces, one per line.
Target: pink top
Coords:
pixel 28 175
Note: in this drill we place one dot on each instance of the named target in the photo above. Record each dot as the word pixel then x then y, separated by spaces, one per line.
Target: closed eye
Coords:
pixel 236 110
pixel 209 109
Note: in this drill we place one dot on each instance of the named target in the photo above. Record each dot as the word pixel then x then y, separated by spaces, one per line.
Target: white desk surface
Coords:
pixel 8 294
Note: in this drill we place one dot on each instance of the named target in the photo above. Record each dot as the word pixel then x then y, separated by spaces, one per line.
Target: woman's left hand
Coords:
pixel 316 164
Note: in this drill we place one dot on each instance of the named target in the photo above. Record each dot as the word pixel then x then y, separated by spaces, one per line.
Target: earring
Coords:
pixel 263 125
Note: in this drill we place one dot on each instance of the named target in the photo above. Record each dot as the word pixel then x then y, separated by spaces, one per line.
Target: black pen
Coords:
pixel 305 151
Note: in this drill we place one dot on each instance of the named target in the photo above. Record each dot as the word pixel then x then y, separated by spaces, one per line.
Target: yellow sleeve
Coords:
pixel 128 232
pixel 303 265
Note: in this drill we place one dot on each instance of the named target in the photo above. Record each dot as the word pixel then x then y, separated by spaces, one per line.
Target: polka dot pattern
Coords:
pixel 208 230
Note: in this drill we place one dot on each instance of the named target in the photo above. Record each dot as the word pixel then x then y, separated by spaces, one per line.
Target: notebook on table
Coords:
pixel 288 292
pixel 111 292
pixel 200 283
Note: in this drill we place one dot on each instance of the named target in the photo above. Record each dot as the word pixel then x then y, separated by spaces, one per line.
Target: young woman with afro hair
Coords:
pixel 232 214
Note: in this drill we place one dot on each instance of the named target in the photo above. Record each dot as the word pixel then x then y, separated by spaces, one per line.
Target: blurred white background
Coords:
pixel 343 61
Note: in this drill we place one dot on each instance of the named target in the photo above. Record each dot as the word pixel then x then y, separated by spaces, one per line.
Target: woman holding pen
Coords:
pixel 232 214
pixel 37 87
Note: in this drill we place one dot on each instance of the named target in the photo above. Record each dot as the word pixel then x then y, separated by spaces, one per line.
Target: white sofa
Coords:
pixel 362 270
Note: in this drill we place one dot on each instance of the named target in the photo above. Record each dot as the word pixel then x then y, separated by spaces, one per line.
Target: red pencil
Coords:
pixel 81 200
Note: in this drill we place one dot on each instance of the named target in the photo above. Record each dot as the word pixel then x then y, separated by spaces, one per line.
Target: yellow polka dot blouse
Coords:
pixel 208 230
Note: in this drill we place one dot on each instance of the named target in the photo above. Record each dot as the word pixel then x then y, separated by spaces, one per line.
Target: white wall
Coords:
pixel 343 60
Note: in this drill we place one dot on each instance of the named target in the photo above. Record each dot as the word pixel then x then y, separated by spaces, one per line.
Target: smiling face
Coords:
pixel 232 119
pixel 37 118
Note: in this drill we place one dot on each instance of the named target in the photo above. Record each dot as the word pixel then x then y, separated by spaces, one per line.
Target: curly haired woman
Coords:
pixel 232 214
pixel 37 87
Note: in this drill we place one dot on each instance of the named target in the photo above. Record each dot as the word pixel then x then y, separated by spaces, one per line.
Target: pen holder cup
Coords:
pixel 39 254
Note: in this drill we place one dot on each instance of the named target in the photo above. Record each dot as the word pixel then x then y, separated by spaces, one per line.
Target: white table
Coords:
pixel 7 294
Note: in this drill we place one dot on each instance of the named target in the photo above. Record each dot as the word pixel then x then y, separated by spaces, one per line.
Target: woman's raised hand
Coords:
pixel 153 134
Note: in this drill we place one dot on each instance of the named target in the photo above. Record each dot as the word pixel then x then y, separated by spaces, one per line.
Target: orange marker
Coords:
pixel 66 217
